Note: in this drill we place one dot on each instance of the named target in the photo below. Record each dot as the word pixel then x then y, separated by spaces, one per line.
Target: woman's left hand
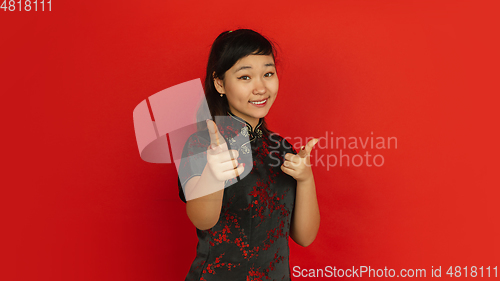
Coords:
pixel 299 165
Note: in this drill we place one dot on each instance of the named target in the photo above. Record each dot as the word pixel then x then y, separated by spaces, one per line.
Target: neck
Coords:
pixel 253 121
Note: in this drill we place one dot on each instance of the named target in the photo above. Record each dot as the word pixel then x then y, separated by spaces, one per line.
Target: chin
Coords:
pixel 262 114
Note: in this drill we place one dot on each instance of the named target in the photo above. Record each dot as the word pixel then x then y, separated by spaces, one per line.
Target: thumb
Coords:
pixel 215 138
pixel 304 151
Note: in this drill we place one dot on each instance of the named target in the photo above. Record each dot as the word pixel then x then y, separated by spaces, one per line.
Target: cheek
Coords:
pixel 274 88
pixel 236 95
pixel 274 84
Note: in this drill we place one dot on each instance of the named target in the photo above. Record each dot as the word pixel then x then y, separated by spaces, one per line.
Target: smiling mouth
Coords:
pixel 259 102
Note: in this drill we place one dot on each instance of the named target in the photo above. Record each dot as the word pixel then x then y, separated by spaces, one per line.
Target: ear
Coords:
pixel 219 85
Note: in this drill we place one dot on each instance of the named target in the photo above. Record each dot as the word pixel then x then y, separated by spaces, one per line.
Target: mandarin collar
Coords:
pixel 247 129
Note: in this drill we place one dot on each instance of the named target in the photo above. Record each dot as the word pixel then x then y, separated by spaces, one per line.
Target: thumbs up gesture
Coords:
pixel 222 162
pixel 298 165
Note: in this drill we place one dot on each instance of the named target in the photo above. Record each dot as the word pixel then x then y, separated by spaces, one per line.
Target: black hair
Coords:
pixel 227 49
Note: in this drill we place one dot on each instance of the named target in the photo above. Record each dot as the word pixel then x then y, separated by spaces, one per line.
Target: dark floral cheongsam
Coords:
pixel 250 240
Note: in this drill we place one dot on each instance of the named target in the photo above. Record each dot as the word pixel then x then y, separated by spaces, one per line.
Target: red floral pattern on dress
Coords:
pixel 250 239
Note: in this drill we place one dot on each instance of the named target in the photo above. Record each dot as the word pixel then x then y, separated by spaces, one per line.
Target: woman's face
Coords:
pixel 251 86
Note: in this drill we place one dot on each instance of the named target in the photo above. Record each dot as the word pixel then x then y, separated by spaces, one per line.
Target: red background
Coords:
pixel 78 203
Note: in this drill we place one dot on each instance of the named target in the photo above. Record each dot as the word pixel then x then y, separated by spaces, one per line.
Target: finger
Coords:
pixel 233 173
pixel 292 157
pixel 310 145
pixel 226 156
pixel 290 165
pixel 287 170
pixel 295 159
pixel 304 151
pixel 216 150
pixel 228 166
pixel 215 138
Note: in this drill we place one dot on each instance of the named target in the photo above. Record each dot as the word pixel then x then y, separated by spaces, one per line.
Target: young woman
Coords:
pixel 248 190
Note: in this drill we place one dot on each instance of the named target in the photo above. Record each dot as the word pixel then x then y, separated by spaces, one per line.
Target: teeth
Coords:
pixel 260 102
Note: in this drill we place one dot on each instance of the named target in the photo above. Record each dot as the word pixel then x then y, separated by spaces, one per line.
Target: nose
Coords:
pixel 259 87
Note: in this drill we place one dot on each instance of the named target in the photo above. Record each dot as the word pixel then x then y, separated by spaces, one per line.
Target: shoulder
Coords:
pixel 199 140
pixel 280 143
pixel 199 137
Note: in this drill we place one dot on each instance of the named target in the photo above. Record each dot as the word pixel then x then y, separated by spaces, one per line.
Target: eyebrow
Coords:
pixel 247 66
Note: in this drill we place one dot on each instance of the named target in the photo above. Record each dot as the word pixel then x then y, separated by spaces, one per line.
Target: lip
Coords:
pixel 259 105
pixel 258 100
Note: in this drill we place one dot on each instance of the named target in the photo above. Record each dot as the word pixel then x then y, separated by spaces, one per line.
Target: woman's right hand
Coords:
pixel 222 162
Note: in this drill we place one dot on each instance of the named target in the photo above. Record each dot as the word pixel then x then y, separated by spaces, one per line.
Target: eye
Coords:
pixel 269 74
pixel 244 77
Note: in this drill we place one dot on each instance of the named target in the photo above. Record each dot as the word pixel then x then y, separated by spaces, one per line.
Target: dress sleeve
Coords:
pixel 288 147
pixel 193 162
